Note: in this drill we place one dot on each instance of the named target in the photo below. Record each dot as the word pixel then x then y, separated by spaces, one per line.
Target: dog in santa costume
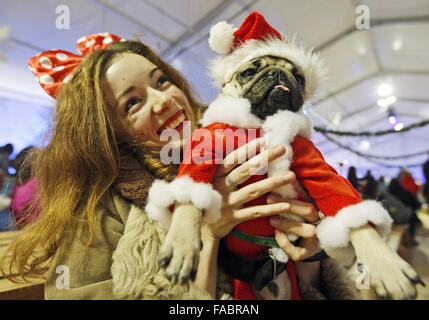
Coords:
pixel 265 81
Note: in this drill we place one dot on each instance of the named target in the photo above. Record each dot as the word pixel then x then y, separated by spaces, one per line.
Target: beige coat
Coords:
pixel 121 261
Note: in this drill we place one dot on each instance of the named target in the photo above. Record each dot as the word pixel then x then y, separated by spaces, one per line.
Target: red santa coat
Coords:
pixel 230 124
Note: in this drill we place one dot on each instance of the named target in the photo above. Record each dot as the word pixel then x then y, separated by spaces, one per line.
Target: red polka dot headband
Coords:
pixel 55 67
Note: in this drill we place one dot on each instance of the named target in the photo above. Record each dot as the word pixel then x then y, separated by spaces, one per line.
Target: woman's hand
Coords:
pixel 231 173
pixel 308 243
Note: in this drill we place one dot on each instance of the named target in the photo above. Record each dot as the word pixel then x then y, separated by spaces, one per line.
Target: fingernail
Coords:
pixel 270 200
pixel 286 206
pixel 275 221
pixel 273 198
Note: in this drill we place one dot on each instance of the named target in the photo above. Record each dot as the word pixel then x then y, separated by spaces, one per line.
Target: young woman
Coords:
pixel 92 236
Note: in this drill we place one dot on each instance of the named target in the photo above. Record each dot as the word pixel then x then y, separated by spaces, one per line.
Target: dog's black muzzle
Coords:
pixel 275 90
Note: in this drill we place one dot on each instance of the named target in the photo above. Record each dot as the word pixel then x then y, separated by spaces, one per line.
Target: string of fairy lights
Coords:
pixel 386 101
pixel 369 133
pixel 374 158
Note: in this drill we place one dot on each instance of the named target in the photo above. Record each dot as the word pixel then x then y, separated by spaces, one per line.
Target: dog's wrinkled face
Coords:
pixel 271 84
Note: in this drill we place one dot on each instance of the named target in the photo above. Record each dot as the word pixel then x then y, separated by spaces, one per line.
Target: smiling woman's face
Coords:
pixel 144 100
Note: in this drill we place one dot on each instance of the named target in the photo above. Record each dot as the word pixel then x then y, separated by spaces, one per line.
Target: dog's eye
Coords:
pixel 248 72
pixel 300 79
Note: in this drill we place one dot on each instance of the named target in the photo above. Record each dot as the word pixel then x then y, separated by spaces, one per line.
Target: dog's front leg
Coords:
pixel 180 251
pixel 390 275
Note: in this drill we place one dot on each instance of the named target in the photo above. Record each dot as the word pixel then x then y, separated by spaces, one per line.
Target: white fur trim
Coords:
pixel 288 125
pixel 182 190
pixel 279 254
pixel 282 128
pixel 233 111
pixel 334 232
pixel 223 68
pixel 159 199
pixel 221 37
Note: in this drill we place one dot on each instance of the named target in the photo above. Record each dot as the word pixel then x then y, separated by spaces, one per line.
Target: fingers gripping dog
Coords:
pixel 265 81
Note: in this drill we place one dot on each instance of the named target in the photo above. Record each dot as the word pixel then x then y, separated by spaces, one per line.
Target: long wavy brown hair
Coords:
pixel 81 160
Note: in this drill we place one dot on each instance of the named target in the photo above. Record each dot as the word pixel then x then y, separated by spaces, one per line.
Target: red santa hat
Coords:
pixel 256 38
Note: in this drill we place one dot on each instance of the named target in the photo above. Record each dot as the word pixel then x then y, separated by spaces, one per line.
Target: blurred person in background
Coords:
pixel 5 152
pixel 426 185
pixel 353 179
pixel 381 185
pixel 6 220
pixel 410 200
pixel 398 210
pixel 370 188
pixel 407 181
pixel 4 200
pixel 25 206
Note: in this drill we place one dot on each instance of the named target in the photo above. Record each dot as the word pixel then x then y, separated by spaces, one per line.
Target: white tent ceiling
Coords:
pixel 394 50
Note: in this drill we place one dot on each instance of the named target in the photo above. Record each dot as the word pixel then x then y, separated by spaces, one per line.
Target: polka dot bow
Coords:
pixel 55 67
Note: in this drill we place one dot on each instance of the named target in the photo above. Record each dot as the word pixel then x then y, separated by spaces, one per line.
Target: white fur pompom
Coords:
pixel 221 37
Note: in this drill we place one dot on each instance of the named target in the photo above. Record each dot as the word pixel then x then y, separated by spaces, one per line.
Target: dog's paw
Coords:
pixel 396 281
pixel 180 252
pixel 179 257
pixel 391 277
